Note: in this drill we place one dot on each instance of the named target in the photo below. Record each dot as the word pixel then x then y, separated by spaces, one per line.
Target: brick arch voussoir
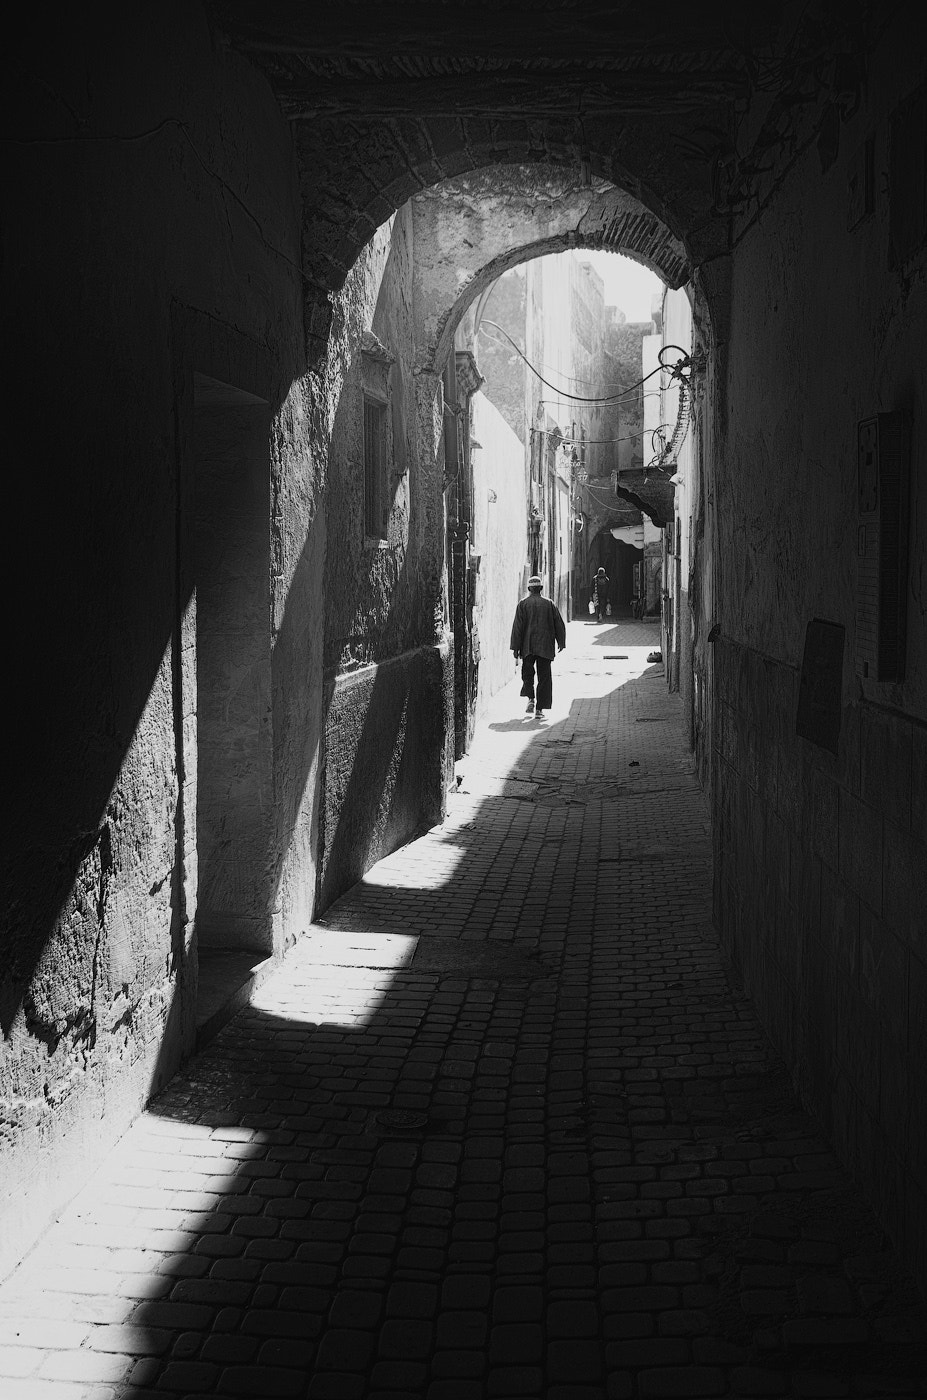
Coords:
pixel 354 175
pixel 470 224
pixel 435 355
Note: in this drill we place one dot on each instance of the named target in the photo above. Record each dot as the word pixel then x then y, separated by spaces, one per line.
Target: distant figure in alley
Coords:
pixel 537 632
pixel 599 594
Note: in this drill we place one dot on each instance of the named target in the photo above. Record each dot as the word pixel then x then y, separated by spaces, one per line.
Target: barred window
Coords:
pixel 374 452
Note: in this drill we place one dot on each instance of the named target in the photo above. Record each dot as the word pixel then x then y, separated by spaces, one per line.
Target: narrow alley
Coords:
pixel 500 1125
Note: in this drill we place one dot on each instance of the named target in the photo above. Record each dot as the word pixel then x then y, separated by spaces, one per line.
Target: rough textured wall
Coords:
pixel 502 367
pixel 557 352
pixel 384 764
pixel 464 236
pixel 379 601
pixel 383 592
pixel 234 808
pixel 677 331
pixel 135 260
pixel 498 536
pixel 822 857
pixel 592 373
pixel 623 340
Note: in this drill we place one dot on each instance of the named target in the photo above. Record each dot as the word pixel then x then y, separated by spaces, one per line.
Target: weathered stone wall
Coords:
pixel 463 232
pixel 384 763
pixel 382 781
pixel 676 321
pixel 234 807
pixel 592 372
pixel 822 857
pixel 498 537
pixel 373 166
pixel 380 591
pixel 502 367
pixel 624 340
pixel 158 238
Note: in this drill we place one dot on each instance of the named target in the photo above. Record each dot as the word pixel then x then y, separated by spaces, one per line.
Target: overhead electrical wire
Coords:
pixel 572 378
pixel 583 398
pixel 650 394
pixel 565 393
pixel 585 442
pixel 612 498
pixel 614 504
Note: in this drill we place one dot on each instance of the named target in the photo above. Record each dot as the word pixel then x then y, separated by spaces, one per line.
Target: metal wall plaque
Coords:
pixel 820 687
pixel 881 548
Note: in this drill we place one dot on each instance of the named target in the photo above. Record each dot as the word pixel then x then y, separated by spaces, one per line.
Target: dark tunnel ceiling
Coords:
pixel 385 100
pixel 585 58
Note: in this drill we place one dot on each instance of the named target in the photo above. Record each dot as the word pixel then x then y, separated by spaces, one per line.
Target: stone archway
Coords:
pixel 390 162
pixel 472 229
pixel 355 174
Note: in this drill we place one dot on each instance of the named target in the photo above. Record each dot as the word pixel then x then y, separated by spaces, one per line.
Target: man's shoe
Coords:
pixel 540 714
pixel 530 708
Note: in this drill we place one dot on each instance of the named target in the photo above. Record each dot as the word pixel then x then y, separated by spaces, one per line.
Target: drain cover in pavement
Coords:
pixel 400 1118
pixel 489 959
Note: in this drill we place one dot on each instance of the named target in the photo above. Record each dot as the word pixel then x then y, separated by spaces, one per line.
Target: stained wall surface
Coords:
pixel 160 242
pixel 497 535
pixel 680 573
pixel 385 647
pixel 157 271
pixel 234 788
pixel 822 855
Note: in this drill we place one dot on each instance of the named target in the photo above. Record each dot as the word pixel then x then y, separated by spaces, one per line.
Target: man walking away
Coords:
pixel 537 631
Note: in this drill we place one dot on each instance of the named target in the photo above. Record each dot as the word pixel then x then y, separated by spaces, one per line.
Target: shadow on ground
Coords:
pixel 541 1150
pixel 505 1128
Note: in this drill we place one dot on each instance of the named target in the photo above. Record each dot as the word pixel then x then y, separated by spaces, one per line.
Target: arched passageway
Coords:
pixel 203 207
pixel 417 366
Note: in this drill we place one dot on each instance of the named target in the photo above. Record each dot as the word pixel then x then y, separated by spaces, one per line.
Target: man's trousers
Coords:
pixel 545 693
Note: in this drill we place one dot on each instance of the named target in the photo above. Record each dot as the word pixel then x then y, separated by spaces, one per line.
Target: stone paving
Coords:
pixel 502 1126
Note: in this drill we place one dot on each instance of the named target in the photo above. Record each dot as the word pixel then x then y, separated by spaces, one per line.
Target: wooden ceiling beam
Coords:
pixel 590 29
pixel 502 94
pixel 576 48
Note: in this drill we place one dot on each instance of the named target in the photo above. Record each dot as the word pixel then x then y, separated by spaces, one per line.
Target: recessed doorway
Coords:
pixel 231 546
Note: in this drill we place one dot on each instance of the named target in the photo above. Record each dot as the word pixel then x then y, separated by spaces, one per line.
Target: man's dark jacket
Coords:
pixel 538 628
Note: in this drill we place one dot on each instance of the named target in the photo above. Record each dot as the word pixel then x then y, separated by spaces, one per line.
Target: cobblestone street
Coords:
pixel 501 1125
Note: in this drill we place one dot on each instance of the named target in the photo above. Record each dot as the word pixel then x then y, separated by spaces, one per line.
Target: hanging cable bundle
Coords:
pixel 670 451
pixel 681 371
